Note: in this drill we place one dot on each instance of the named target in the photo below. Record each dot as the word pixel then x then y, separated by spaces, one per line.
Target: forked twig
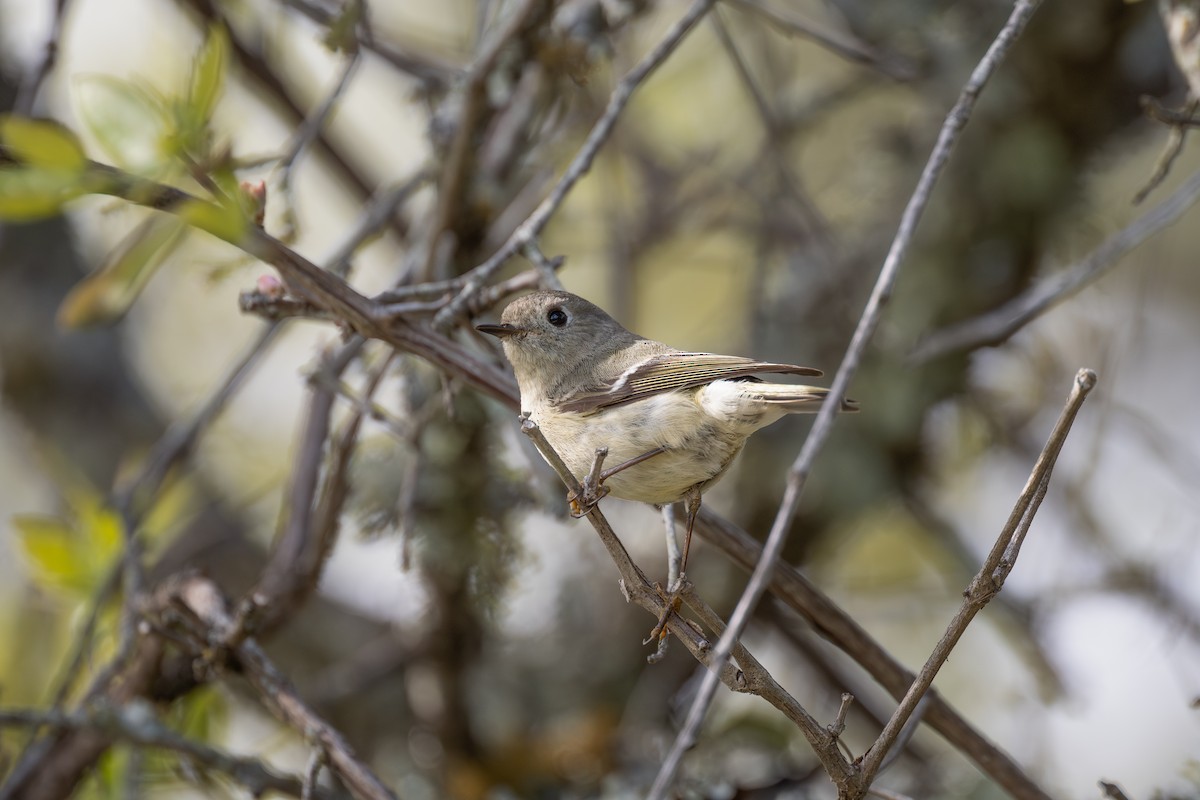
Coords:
pixel 991 576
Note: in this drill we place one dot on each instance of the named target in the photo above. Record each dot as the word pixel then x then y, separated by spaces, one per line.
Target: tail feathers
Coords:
pixel 795 399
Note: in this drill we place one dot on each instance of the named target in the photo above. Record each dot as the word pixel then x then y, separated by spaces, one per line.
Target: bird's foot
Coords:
pixel 671 603
pixel 592 490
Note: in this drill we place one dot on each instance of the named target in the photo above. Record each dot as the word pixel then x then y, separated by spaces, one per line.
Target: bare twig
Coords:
pixel 956 120
pixel 997 325
pixel 528 230
pixel 1172 149
pixel 991 576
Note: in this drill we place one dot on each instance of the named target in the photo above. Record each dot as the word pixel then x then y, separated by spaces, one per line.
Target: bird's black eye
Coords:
pixel 556 317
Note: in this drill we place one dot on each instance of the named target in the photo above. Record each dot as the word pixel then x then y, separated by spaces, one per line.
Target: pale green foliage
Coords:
pixel 49 171
pixel 104 296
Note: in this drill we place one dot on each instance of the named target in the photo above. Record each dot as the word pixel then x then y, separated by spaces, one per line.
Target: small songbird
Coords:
pixel 672 421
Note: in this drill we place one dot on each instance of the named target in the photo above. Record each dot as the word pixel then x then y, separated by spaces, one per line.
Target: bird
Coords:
pixel 672 421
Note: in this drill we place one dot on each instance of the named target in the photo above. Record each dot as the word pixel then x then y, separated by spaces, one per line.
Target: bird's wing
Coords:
pixel 669 372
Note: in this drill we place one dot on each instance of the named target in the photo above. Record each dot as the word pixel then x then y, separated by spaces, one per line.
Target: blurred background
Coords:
pixel 467 637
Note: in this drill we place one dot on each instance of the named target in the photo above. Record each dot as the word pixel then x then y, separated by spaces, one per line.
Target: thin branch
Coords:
pixel 999 324
pixel 435 74
pixel 634 583
pixel 528 230
pixel 751 678
pixel 836 626
pixel 842 44
pixel 1172 149
pixel 956 120
pixel 991 576
pixel 138 725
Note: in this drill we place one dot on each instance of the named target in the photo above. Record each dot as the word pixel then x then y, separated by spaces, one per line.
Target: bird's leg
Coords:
pixel 593 488
pixel 675 580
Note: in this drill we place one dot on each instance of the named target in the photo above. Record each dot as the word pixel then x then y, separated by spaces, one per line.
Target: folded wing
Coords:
pixel 670 372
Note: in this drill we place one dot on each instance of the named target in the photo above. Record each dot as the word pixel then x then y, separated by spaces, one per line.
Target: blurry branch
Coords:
pixel 750 678
pixel 52 767
pixel 777 139
pixel 991 576
pixel 131 503
pixel 999 324
pixel 474 114
pixel 313 124
pixel 138 724
pixel 434 74
pixel 1180 19
pixel 843 44
pixel 378 213
pixel 528 230
pixel 179 442
pixel 175 446
pixel 317 492
pixel 194 606
pixel 31 84
pixel 956 120
pixel 309 130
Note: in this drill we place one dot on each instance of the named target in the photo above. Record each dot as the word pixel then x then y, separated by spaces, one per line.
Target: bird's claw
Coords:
pixel 671 602
pixel 582 502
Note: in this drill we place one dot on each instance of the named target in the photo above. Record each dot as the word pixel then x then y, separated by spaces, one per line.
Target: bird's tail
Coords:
pixel 795 399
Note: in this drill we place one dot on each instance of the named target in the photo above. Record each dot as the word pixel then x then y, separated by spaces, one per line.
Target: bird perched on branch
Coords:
pixel 671 421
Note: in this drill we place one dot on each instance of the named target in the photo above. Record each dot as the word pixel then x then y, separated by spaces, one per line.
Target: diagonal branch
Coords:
pixel 956 120
pixel 751 678
pixel 999 324
pixel 138 725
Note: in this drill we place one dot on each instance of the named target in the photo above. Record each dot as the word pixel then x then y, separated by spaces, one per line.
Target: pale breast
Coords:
pixel 698 449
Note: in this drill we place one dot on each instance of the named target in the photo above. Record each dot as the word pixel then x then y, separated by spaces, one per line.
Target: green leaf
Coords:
pixel 128 122
pixel 42 143
pixel 225 219
pixel 208 74
pixel 28 193
pixel 107 294
pixel 74 560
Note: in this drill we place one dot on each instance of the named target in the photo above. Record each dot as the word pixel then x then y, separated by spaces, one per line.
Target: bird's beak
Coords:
pixel 501 331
